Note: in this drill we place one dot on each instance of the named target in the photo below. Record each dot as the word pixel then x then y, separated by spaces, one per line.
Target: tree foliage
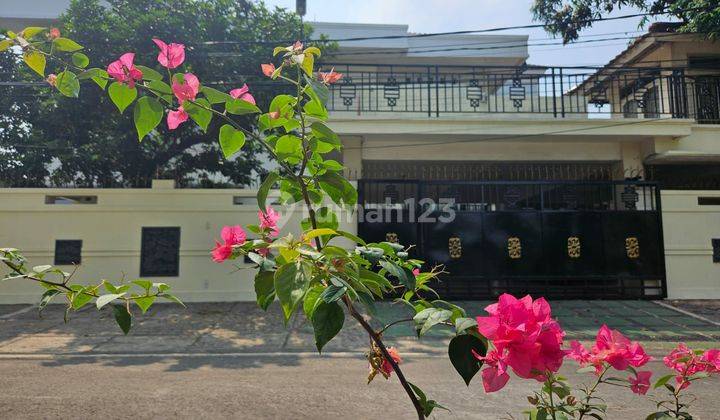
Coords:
pixel 569 18
pixel 71 140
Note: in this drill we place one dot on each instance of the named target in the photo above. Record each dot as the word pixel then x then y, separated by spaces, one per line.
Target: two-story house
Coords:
pixel 565 182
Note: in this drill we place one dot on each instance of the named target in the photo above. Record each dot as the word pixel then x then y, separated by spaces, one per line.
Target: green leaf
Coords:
pixel 231 140
pixel 41 268
pixel 5 44
pixel 172 298
pixel 148 73
pixel 80 299
pixel 144 302
pixel 264 289
pixel 662 381
pixel 105 299
pixel 316 109
pixel 350 236
pixel 121 95
pixel 430 317
pixel 312 300
pixel 199 112
pixel 308 64
pixel 291 282
pixel 80 60
pixel 31 31
pixel 122 317
pixel 289 146
pixel 333 293
pixel 327 321
pixel 338 188
pixel 319 232
pixel 462 324
pixel 403 275
pixel 67 45
pixel 317 90
pixel 145 284
pixel 461 355
pixel 265 187
pixel 240 107
pixel 147 115
pixel 36 61
pixel 162 89
pixel 68 84
pixel 215 96
pixel 47 297
pixel 99 76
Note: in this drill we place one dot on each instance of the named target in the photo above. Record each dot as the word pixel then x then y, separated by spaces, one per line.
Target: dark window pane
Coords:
pixel 67 252
pixel 160 252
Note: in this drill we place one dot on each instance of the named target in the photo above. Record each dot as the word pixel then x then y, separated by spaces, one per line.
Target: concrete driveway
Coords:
pixel 233 360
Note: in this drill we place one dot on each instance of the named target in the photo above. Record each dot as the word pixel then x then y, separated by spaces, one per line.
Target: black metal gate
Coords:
pixel 557 239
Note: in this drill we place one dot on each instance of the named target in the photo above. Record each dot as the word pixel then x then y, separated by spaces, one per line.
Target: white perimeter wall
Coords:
pixel 688 230
pixel 111 235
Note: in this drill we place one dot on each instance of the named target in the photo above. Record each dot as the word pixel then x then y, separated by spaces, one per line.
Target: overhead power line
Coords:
pixel 465 32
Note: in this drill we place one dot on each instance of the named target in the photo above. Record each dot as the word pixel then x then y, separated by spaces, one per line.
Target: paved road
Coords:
pixel 287 386
pixel 234 361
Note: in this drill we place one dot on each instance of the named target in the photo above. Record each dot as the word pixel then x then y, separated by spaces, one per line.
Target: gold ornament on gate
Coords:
pixel 455 247
pixel 573 247
pixel 632 247
pixel 514 248
pixel 391 237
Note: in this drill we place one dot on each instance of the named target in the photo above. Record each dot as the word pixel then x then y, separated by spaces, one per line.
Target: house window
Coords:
pixel 716 250
pixel 160 252
pixel 71 199
pixel 67 252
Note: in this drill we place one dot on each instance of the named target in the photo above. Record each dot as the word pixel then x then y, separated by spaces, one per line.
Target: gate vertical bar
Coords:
pixel 553 95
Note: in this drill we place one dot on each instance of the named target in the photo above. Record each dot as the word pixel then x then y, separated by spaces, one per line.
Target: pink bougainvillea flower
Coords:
pixel 686 363
pixel 640 384
pixel 386 367
pixel 330 77
pixel 495 375
pixel 188 90
pixel 231 236
pixel 221 252
pixel 297 46
pixel 579 353
pixel 52 79
pixel 268 220
pixel 175 118
pixel 123 70
pixel 243 93
pixel 171 55
pixel 617 350
pixel 268 69
pixel 524 337
pixel 416 271
pixel 712 358
pixel 54 33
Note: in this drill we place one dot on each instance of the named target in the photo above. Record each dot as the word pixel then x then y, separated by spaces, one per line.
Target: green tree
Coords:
pixel 569 18
pixel 46 135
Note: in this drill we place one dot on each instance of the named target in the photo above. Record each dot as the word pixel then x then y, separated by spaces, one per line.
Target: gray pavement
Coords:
pixel 231 360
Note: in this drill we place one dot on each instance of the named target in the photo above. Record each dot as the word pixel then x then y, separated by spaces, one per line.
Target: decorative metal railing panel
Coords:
pixel 550 91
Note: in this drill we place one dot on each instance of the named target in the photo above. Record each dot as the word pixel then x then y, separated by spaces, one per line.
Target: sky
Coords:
pixel 454 15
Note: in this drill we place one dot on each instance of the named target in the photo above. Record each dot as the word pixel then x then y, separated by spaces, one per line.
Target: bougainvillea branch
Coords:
pixel 310 272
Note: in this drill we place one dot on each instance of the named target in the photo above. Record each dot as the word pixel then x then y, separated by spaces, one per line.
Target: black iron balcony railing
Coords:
pixel 553 91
